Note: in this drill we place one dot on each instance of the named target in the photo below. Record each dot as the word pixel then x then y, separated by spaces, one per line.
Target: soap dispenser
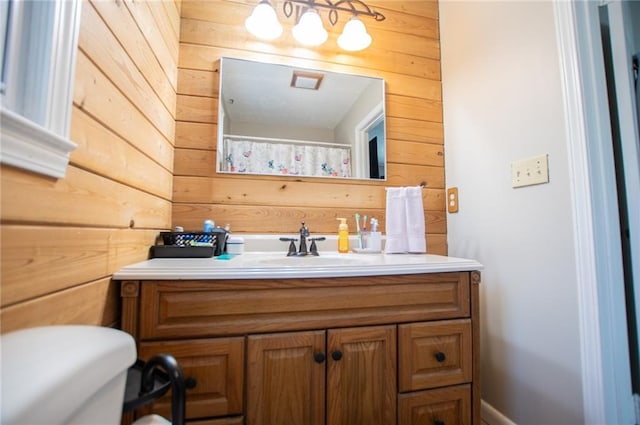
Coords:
pixel 343 236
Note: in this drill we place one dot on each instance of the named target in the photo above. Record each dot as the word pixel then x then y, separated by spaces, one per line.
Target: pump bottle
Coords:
pixel 343 236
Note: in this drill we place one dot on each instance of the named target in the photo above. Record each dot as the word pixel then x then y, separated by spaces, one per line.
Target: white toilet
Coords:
pixel 64 375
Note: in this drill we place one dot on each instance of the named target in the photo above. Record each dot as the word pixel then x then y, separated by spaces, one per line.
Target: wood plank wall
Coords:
pixel 63 239
pixel 405 52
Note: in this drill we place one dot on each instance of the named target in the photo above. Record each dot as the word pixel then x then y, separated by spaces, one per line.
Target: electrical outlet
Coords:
pixel 527 172
pixel 452 200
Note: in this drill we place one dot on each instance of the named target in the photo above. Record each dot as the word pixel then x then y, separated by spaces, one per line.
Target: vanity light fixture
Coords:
pixel 308 30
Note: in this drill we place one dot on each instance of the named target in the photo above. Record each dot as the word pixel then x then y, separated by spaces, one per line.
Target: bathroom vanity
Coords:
pixel 336 339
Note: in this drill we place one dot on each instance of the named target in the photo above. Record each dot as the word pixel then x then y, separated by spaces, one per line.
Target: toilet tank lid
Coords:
pixel 69 362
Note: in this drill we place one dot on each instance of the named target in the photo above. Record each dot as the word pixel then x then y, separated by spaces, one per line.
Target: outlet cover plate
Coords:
pixel 452 200
pixel 530 171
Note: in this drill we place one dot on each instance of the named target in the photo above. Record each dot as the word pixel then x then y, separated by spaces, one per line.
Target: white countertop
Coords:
pixel 262 265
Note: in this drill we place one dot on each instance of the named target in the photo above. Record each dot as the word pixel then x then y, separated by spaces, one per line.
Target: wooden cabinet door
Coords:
pixel 442 406
pixel 361 377
pixel 215 365
pixel 286 378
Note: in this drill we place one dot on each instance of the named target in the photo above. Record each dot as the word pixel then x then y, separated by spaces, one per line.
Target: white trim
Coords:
pixel 603 344
pixel 493 416
pixel 592 392
pixel 29 146
pixel 63 59
pixel 362 141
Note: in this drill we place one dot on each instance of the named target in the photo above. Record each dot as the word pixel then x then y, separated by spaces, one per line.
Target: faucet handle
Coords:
pixel 313 249
pixel 292 245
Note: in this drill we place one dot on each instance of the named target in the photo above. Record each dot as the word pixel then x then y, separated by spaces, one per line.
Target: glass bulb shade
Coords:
pixel 354 36
pixel 309 31
pixel 263 22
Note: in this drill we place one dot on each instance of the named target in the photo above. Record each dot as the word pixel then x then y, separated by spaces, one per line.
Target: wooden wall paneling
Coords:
pixel 257 219
pixel 119 20
pixel 37 262
pixel 196 135
pixel 148 44
pixel 399 151
pixel 426 8
pixel 94 303
pixel 172 9
pixel 104 50
pixel 197 109
pixel 412 175
pixel 413 108
pixel 159 28
pixel 199 56
pixel 81 198
pixel 195 162
pixel 421 21
pixel 257 190
pixel 199 190
pixel 198 82
pixel 95 94
pixel 121 162
pixel 226 34
pixel 414 130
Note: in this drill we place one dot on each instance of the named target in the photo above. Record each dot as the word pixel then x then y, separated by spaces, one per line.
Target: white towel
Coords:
pixel 405 221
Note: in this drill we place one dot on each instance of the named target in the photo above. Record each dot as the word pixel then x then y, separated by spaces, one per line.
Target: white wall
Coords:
pixel 502 102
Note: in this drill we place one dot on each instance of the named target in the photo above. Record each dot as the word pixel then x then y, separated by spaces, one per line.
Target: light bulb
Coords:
pixel 263 22
pixel 354 37
pixel 309 30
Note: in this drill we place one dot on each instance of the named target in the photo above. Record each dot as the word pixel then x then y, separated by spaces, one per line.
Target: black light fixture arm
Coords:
pixel 354 7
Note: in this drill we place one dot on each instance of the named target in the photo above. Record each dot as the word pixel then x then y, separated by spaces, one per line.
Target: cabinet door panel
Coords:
pixel 434 354
pixel 216 365
pixel 362 376
pixel 450 406
pixel 286 383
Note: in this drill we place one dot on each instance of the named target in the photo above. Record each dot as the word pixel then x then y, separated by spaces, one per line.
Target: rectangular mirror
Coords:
pixel 291 121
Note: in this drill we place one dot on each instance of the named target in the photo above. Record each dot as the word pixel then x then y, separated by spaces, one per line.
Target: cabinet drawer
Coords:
pixel 226 308
pixel 450 406
pixel 216 365
pixel 434 354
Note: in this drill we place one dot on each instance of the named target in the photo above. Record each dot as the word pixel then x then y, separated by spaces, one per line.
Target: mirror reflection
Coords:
pixel 291 121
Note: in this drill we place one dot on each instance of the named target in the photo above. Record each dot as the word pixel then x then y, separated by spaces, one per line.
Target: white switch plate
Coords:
pixel 527 172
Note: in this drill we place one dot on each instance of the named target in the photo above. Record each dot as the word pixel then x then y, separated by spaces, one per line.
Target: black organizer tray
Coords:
pixel 174 251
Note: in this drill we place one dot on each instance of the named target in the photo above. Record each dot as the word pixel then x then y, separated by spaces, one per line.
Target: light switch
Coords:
pixel 527 172
pixel 452 199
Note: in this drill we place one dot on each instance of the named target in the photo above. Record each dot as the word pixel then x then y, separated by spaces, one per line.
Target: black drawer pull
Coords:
pixel 440 357
pixel 336 355
pixel 190 382
pixel 319 357
pixel 438 422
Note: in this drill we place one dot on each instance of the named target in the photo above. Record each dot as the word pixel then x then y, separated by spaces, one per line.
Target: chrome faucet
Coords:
pixel 304 234
pixel 302 250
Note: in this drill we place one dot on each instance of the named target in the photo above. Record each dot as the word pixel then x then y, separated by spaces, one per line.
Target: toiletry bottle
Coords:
pixel 343 236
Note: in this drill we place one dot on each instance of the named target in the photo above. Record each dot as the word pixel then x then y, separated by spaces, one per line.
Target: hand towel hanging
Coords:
pixel 405 220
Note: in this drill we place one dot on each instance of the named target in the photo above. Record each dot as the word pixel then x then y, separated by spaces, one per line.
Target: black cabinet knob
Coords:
pixel 440 357
pixel 438 422
pixel 190 382
pixel 319 357
pixel 336 355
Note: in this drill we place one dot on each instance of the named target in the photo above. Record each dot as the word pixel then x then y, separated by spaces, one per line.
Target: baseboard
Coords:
pixel 492 416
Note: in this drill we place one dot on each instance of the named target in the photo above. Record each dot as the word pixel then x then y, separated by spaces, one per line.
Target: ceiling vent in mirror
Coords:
pixel 308 30
pixel 306 80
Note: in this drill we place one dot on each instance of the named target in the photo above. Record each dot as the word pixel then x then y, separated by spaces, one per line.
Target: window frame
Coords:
pixel 42 147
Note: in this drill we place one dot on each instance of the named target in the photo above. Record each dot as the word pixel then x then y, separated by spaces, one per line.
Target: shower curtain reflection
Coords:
pixel 283 158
